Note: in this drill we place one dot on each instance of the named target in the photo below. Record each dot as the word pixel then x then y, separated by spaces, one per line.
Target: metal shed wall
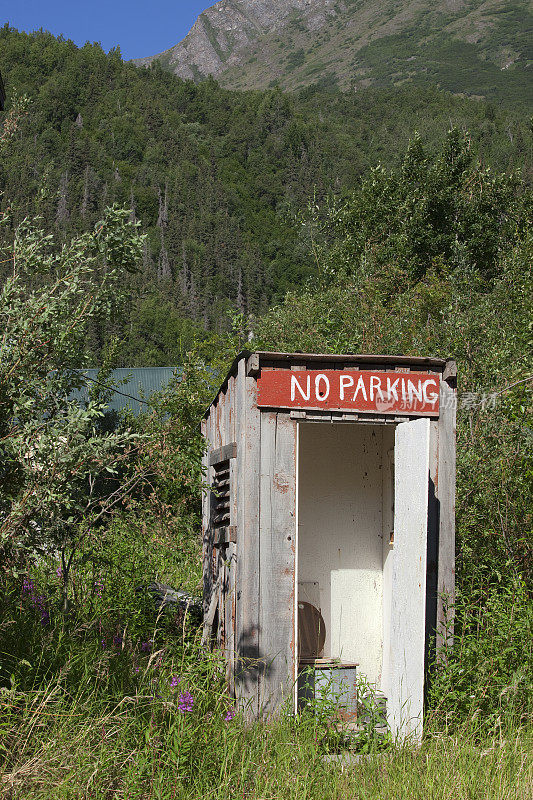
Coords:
pixel 135 385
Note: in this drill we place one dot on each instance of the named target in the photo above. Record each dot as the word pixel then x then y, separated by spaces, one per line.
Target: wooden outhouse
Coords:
pixel 329 528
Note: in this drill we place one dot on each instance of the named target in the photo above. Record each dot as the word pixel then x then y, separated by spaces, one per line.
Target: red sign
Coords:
pixel 402 393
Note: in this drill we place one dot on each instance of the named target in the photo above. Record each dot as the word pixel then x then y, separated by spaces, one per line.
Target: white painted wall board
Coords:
pixel 405 681
pixel 388 549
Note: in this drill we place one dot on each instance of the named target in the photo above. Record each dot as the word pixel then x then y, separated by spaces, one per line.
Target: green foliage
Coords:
pixel 432 256
pixel 447 209
pixel 63 470
pixel 58 744
pixel 215 177
pixel 486 675
pixel 435 258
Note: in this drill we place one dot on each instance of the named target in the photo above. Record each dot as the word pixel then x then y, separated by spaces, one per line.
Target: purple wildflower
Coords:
pixel 59 572
pixel 230 714
pixel 104 644
pixel 174 681
pixel 185 702
pixel 146 647
pixel 117 641
pixel 38 601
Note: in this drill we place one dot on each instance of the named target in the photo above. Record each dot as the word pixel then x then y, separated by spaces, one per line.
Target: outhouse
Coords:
pixel 328 530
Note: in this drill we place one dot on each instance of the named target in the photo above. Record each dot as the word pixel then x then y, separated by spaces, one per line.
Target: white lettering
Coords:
pixel 295 385
pixel 375 383
pixel 345 382
pixel 360 388
pixel 433 397
pixel 412 390
pixel 319 378
pixel 391 389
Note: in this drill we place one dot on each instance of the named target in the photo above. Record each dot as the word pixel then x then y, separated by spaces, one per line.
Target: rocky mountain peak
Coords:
pixel 461 45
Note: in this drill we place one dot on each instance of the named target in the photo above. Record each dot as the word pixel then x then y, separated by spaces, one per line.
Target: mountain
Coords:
pixel 477 47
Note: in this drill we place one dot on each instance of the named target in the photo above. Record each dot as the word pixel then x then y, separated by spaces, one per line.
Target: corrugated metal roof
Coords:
pixel 136 384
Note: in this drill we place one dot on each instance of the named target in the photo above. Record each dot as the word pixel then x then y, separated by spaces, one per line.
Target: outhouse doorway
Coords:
pixel 362 557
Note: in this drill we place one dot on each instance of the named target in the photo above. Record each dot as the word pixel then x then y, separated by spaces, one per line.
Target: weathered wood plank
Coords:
pixel 223 453
pixel 432 561
pixel 247 668
pixel 231 562
pixel 446 496
pixel 231 434
pixel 278 558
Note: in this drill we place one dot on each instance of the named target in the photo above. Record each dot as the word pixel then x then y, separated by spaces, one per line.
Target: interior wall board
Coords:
pixel 340 542
pixel 388 548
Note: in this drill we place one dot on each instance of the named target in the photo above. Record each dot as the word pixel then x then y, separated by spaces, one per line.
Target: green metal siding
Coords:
pixel 139 382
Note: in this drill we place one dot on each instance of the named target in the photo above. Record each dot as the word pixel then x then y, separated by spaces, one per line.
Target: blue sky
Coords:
pixel 139 28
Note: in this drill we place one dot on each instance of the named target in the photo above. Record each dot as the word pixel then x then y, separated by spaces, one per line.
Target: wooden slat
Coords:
pixel 225 521
pixel 247 669
pixel 225 536
pixel 405 689
pixel 222 453
pixel 231 557
pixel 278 557
pixel 231 433
pixel 446 495
pixel 216 441
pixel 207 541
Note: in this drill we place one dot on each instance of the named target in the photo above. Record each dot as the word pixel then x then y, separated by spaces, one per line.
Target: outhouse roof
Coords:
pixel 262 358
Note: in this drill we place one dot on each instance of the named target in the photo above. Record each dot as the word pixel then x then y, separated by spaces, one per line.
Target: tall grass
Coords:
pixel 118 701
pixel 59 745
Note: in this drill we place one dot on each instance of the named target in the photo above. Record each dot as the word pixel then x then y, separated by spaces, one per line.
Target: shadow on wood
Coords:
pixel 250 664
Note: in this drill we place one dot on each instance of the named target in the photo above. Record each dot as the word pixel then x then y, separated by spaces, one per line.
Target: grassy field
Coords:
pixel 58 748
pixel 144 724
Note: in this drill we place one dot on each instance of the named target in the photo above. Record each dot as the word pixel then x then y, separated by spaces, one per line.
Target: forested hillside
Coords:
pixel 216 178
